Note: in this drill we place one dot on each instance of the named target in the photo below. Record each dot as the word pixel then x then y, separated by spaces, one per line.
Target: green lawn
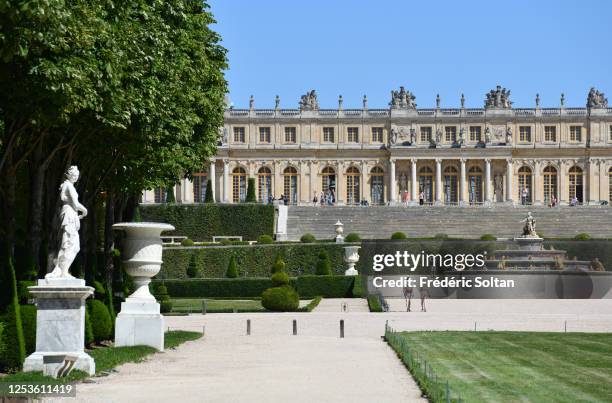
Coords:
pixel 510 366
pixel 216 305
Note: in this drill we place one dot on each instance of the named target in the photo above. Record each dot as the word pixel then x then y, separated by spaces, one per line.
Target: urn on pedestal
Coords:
pixel 351 256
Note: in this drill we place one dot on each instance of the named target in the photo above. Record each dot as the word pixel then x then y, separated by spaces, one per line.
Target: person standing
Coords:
pixel 421 198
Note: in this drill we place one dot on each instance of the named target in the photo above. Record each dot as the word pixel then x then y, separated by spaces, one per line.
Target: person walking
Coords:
pixel 408 297
pixel 315 200
pixel 424 294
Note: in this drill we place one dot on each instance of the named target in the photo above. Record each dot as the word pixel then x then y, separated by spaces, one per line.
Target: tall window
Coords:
pixel 475 134
pixel 377 135
pixel 610 184
pixel 239 184
pixel 475 185
pixel 290 184
pixel 328 180
pixel 353 135
pixel 426 184
pixel 290 135
pixel 575 183
pixel 352 186
pixel 239 135
pixel 264 134
pixel 575 133
pixel 199 187
pixel 160 195
pixel 525 134
pixel 264 184
pixel 377 185
pixel 610 134
pixel 550 133
pixel 328 134
pixel 450 134
pixel 425 134
pixel 450 185
pixel 550 183
pixel 524 185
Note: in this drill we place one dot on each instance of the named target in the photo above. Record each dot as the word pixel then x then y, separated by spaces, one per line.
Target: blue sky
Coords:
pixel 447 47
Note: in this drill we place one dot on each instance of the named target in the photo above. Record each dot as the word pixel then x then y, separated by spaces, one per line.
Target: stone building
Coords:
pixel 497 154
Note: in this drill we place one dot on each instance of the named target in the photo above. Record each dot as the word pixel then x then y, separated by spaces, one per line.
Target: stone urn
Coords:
pixel 339 230
pixel 351 257
pixel 142 255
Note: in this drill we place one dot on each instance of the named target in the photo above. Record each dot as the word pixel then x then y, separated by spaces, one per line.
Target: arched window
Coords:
pixel 199 187
pixel 426 184
pixel 290 184
pixel 451 195
pixel 475 185
pixel 352 186
pixel 377 185
pixel 264 184
pixel 550 183
pixel 328 182
pixel 575 183
pixel 525 187
pixel 239 185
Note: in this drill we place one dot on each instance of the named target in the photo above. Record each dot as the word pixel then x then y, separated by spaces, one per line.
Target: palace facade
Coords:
pixel 497 154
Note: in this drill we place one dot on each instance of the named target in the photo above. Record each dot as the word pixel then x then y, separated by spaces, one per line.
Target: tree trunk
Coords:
pixel 35 211
pixel 109 266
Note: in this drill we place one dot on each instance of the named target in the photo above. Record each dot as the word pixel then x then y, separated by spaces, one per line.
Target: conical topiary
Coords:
pixel 208 196
pixel 323 264
pixel 282 297
pixel 278 265
pixel 232 268
pixel 250 196
pixel 192 268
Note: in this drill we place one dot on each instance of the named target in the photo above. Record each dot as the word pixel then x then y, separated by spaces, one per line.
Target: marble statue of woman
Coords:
pixel 69 225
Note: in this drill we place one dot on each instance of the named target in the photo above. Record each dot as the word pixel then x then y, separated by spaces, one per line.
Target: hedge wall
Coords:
pixel 201 222
pixel 307 287
pixel 253 261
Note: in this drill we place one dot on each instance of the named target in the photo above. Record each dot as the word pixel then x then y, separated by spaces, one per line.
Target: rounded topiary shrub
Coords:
pixel 280 299
pixel 99 290
pixel 279 279
pixel 352 237
pixel 582 237
pixel 488 237
pixel 307 238
pixel 265 239
pixel 278 265
pixel 232 268
pixel 101 322
pixel 89 336
pixel 165 304
pixel 398 235
pixel 324 266
pixel 187 242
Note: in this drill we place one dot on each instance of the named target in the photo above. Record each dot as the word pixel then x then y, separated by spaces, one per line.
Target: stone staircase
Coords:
pixel 470 222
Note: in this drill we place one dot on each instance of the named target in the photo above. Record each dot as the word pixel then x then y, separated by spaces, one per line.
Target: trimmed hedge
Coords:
pixel 398 235
pixel 101 322
pixel 254 260
pixel 325 286
pixel 201 222
pixel 374 304
pixel 358 289
pixel 28 321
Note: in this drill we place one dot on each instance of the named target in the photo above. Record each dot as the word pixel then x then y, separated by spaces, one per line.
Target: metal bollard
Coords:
pixel 342 328
pixel 203 330
pixel 248 327
pixel 294 327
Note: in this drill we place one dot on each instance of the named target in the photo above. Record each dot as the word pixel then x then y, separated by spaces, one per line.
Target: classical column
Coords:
pixel 392 195
pixel 537 191
pixel 415 184
pixel 438 181
pixel 226 191
pixel 487 180
pixel 364 181
pixel 212 174
pixel 340 178
pixel 562 194
pixel 313 174
pixel 509 184
pixel 462 190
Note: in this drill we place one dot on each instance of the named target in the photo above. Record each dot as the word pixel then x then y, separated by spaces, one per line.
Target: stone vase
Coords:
pixel 140 321
pixel 351 257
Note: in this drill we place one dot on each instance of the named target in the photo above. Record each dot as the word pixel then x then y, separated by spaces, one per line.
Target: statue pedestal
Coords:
pixel 529 243
pixel 140 324
pixel 60 323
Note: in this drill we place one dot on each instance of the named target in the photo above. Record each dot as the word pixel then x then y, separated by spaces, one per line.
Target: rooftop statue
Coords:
pixel 69 225
pixel 596 99
pixel 498 98
pixel 309 101
pixel 402 99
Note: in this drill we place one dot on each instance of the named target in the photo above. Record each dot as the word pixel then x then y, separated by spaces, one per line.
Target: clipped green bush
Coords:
pixel 583 236
pixel 398 235
pixel 14 345
pixel 28 321
pixel 89 336
pixel 250 196
pixel 265 239
pixel 187 242
pixel 279 265
pixel 279 279
pixel 358 291
pixel 192 269
pixel 324 266
pixel 208 196
pixel 352 237
pixel 374 304
pixel 308 238
pixel 99 290
pixel 488 237
pixel 232 268
pixel 325 286
pixel 219 287
pixel 280 299
pixel 165 304
pixel 441 236
pixel 100 320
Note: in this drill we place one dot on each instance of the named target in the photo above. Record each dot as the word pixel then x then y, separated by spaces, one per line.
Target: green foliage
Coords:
pixel 398 235
pixel 89 335
pixel 279 265
pixel 219 287
pixel 208 196
pixel 358 291
pixel 280 299
pixel 265 239
pixel 280 278
pixel 488 237
pixel 170 194
pixel 187 242
pixel 101 321
pixel 192 269
pixel 165 304
pixel 99 291
pixel 352 237
pixel 14 340
pixel 250 196
pixel 312 304
pixel 232 268
pixel 325 286
pixel 201 222
pixel 441 236
pixel 28 320
pixel 324 266
pixel 583 236
pixel 308 238
pixel 23 292
pixel 374 304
